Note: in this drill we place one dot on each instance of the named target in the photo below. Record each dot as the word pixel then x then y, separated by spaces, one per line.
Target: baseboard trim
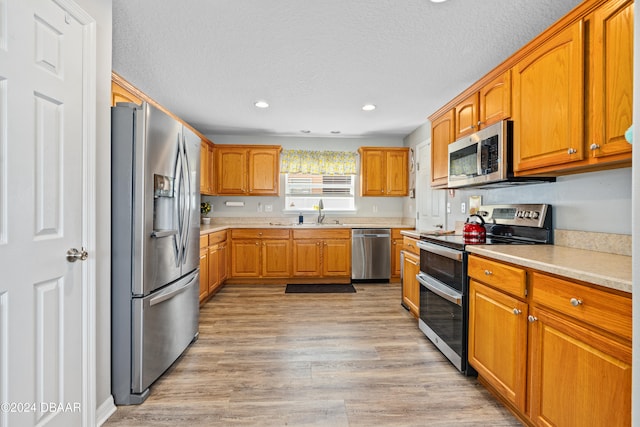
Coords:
pixel 105 410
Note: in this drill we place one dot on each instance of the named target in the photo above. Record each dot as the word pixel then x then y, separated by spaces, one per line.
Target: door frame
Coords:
pixel 89 211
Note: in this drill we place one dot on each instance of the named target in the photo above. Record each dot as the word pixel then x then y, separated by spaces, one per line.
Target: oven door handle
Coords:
pixel 441 250
pixel 440 289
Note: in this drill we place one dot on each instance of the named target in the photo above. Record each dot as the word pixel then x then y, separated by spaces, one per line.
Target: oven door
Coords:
pixel 442 319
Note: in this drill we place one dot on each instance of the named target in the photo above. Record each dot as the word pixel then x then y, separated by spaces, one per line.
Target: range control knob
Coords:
pixel 535 215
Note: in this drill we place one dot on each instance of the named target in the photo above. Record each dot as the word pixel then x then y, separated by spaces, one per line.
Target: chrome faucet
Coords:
pixel 320 214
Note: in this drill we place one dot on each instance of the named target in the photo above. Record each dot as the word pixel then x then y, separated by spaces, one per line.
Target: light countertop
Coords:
pixel 600 268
pixel 212 228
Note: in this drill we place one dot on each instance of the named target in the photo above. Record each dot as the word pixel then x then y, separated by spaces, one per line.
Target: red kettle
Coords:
pixel 473 231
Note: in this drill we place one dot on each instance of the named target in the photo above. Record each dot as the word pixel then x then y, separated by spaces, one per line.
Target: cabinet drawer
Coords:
pixel 217 237
pixel 204 240
pixel 260 233
pixel 596 307
pixel 334 233
pixel 410 245
pixel 504 277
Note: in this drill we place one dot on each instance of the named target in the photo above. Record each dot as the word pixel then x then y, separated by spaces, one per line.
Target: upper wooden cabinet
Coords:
pixel 548 89
pixel 467 115
pixel 495 100
pixel 247 170
pixel 569 93
pixel 384 171
pixel 482 108
pixel 442 134
pixel 611 99
pixel 206 168
pixel 120 94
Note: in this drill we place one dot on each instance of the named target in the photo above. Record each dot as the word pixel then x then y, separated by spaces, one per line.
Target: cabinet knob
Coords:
pixel 575 302
pixel 572 151
pixel 488 272
pixel 480 123
pixel 594 146
pixel 517 311
pixel 531 318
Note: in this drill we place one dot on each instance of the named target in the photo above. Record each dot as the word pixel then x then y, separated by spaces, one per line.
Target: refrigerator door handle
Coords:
pixel 163 233
pixel 186 178
pixel 170 293
pixel 179 201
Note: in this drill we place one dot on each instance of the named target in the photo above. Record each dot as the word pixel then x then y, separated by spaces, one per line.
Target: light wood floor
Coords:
pixel 266 358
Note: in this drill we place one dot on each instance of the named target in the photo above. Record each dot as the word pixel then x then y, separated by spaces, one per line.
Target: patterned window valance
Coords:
pixel 318 162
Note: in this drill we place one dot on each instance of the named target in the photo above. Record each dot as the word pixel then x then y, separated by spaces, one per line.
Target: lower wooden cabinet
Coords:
pixel 204 272
pixel 579 377
pixel 322 253
pixel 410 285
pixel 259 253
pixel 558 355
pixel 397 240
pixel 213 263
pixel 498 341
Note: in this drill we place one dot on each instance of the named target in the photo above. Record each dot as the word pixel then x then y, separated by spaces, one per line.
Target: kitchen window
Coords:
pixel 303 191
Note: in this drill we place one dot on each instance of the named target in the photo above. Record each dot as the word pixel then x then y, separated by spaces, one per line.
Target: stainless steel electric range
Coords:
pixel 443 277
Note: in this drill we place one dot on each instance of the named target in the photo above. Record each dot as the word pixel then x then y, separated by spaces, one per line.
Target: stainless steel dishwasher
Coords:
pixel 371 254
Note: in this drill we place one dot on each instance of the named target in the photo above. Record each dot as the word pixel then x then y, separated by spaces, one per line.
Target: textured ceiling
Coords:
pixel 317 62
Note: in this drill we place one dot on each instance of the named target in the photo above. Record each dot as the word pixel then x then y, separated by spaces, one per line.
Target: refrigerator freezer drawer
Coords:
pixel 169 319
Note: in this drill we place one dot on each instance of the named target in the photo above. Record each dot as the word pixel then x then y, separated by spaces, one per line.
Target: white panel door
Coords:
pixel 45 130
pixel 430 203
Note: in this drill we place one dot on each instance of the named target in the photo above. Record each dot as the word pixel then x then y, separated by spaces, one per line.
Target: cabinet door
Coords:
pixel 276 256
pixel 264 172
pixel 213 268
pixel 498 341
pixel 396 249
pixel 548 95
pixel 222 263
pixel 397 172
pixel 612 73
pixel 495 100
pixel 306 257
pixel 336 258
pixel 410 285
pixel 245 258
pixel 204 273
pixel 231 170
pixel 467 117
pixel 442 134
pixel 372 173
pixel 206 168
pixel 578 376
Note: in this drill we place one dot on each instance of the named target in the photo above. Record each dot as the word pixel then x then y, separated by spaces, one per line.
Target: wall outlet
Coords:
pixel 463 207
pixel 375 208
pixel 259 207
pixel 268 208
pixel 448 207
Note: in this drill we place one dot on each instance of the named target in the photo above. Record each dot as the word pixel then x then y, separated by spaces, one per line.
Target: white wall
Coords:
pixel 595 201
pixel 391 207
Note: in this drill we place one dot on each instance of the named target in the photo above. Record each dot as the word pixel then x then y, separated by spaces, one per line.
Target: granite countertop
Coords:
pixel 600 268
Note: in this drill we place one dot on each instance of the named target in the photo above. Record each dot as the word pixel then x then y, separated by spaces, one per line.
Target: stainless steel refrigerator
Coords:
pixel 155 199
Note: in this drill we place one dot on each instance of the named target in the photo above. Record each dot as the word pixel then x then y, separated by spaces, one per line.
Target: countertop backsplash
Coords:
pixel 619 244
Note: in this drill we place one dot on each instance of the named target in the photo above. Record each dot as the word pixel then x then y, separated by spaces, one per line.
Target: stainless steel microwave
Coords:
pixel 482 157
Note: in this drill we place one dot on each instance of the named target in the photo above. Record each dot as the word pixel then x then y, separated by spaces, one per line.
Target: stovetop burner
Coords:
pixel 516 224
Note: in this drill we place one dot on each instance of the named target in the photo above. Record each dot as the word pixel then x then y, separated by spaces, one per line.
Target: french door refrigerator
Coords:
pixel 155 198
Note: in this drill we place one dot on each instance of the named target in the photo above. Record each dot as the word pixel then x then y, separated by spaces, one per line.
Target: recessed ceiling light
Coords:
pixel 261 104
pixel 368 107
pixel 438 1
pixel 335 132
